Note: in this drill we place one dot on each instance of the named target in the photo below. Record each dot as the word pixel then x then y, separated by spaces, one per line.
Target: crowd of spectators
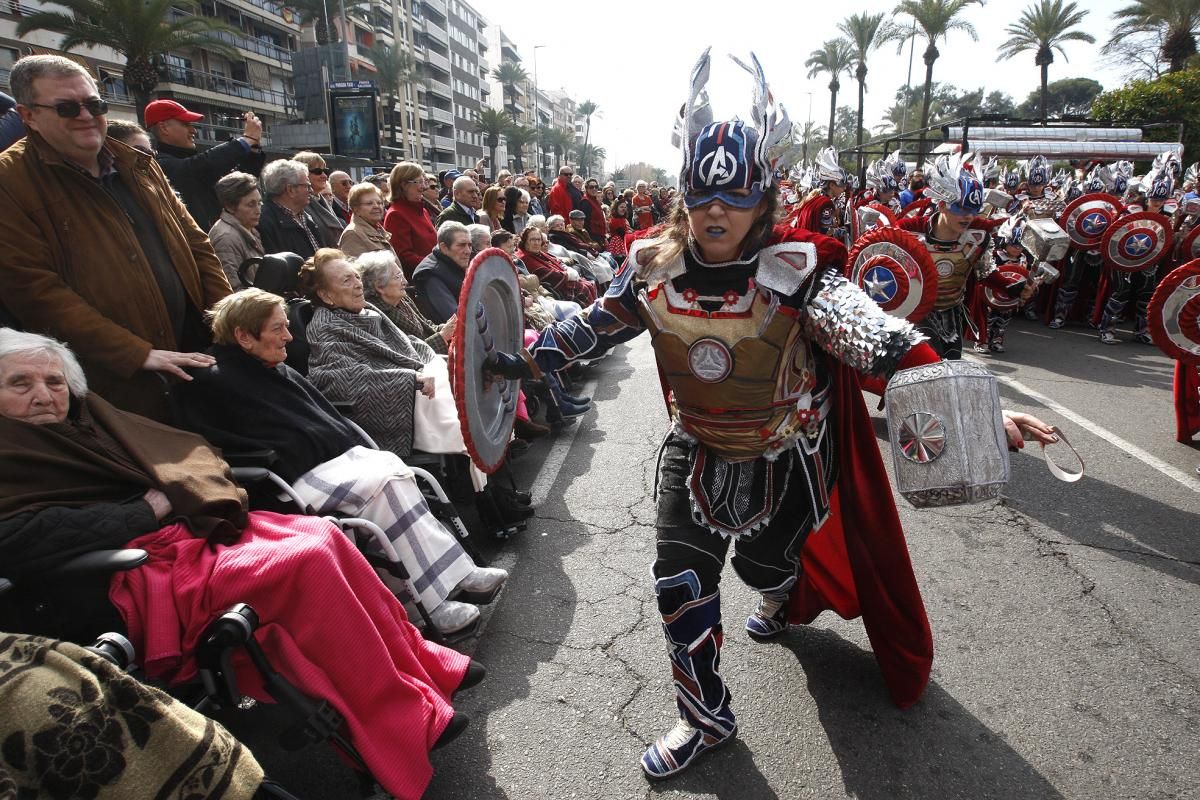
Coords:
pixel 132 328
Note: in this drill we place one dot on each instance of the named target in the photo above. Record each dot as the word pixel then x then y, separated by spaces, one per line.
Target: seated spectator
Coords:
pixel 234 235
pixel 54 694
pixel 407 219
pixel 494 204
pixel 320 203
pixel 386 288
pixel 132 134
pixel 466 202
pixel 285 225
pixel 94 477
pixel 537 221
pixel 549 308
pixel 251 400
pixel 481 238
pixel 105 257
pixel 194 173
pixel 365 233
pixel 558 233
pixel 516 210
pixel 551 272
pixel 340 184
pixel 582 235
pixel 400 388
pixel 438 279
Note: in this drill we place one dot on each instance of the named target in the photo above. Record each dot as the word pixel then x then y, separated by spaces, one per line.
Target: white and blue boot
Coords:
pixel 771 618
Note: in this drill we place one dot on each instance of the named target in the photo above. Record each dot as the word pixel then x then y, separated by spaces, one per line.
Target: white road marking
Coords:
pixel 1154 462
pixel 552 465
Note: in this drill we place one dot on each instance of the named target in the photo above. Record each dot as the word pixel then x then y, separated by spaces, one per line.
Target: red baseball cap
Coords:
pixel 163 110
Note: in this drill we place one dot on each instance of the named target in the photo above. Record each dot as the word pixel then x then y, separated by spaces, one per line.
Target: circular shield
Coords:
pixel 1190 248
pixel 1136 242
pixel 489 320
pixel 1000 300
pixel 1087 217
pixel 710 360
pixel 893 267
pixel 1174 313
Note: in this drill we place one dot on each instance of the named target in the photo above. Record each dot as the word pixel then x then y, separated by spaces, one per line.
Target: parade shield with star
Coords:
pixel 1087 217
pixel 1174 314
pixel 1000 300
pixel 896 271
pixel 1137 242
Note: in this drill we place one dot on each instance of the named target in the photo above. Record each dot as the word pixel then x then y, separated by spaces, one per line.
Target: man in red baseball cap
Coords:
pixel 193 173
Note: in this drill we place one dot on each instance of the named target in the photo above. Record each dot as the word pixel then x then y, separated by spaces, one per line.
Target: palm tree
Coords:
pixel 835 57
pixel 1177 20
pixel 863 32
pixel 492 124
pixel 589 156
pixel 519 136
pixel 395 70
pixel 142 31
pixel 1044 28
pixel 511 76
pixel 587 109
pixel 560 141
pixel 936 19
pixel 321 13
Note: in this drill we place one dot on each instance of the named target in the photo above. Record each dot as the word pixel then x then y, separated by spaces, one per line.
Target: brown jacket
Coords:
pixel 361 237
pixel 71 267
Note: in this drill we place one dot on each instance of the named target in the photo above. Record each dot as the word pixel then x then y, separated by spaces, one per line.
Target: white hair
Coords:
pixel 14 343
pixel 480 234
pixel 278 175
pixel 537 221
pixel 554 219
pixel 376 267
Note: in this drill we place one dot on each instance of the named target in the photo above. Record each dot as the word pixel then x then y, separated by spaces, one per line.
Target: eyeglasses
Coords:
pixel 69 109
pixel 307 187
pixel 320 171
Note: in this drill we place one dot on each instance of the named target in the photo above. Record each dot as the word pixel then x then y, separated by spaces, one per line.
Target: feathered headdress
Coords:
pixel 828 169
pixel 948 180
pixel 1170 160
pixel 1037 171
pixel 896 165
pixel 986 169
pixel 880 178
pixel 1099 179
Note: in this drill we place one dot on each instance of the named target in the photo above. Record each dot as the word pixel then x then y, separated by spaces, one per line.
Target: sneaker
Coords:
pixel 1142 337
pixel 1108 337
pixel 996 346
pixel 979 347
pixel 452 616
pixel 769 620
pixel 1030 313
pixel 674 751
pixel 1057 323
pixel 481 586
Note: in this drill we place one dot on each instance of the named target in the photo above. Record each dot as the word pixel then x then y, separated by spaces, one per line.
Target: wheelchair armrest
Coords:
pixel 5 585
pixel 251 458
pixel 344 407
pixel 100 562
pixel 246 475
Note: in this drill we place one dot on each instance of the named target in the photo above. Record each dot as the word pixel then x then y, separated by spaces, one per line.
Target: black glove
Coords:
pixel 508 365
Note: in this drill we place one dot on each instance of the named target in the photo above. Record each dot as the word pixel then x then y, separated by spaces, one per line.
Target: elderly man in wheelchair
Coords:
pixel 81 476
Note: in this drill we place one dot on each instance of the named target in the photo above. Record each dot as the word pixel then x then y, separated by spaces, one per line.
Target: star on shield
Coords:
pixel 1138 245
pixel 880 284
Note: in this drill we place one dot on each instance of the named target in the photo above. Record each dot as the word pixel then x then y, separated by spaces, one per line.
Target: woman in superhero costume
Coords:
pixel 761 344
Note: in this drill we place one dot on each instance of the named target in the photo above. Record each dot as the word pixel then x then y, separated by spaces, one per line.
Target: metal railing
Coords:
pixel 205 81
pixel 437 5
pixel 265 49
pixel 437 60
pixel 442 115
pixel 438 34
pixel 440 87
pixel 268 5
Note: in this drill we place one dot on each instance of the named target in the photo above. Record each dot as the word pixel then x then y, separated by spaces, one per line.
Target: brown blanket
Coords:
pixel 104 455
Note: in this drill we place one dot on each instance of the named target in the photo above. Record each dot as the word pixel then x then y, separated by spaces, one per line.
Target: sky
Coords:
pixel 633 59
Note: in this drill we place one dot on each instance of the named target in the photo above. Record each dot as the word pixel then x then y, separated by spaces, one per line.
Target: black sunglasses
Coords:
pixel 320 171
pixel 69 109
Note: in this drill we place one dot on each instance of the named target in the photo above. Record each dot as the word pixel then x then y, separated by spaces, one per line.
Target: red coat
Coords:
pixel 413 234
pixel 559 199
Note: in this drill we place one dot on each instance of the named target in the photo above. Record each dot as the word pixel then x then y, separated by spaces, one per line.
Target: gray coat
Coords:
pixel 234 243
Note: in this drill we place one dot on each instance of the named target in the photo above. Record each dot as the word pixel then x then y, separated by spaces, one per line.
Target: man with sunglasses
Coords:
pixel 193 173
pixel 96 249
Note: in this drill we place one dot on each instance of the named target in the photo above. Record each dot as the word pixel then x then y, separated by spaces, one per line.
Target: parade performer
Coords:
pixel 1008 252
pixel 882 188
pixel 1084 266
pixel 958 244
pixel 1039 201
pixel 760 342
pixel 1137 287
pixel 824 210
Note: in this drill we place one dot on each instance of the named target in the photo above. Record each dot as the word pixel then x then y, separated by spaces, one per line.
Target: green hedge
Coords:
pixel 1173 97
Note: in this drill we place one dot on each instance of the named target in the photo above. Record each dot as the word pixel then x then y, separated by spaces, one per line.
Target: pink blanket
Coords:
pixel 328 624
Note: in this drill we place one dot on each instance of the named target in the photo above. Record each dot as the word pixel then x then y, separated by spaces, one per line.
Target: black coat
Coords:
pixel 281 234
pixel 453 213
pixel 194 174
pixel 437 282
pixel 240 405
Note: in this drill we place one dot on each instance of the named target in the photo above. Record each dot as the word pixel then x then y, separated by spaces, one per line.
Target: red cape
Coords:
pixel 1187 401
pixel 808 215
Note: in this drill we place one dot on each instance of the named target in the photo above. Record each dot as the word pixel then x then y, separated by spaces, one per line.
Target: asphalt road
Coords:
pixel 1064 619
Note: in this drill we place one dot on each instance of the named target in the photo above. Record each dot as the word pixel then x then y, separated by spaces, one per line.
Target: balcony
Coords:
pixel 437 6
pixel 182 79
pixel 441 115
pixel 440 88
pixel 252 45
pixel 437 34
pixel 484 67
pixel 437 60
pixel 277 9
pixel 443 142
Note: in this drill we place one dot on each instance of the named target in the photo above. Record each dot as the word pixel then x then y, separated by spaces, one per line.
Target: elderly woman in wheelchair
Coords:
pixel 250 400
pixel 81 475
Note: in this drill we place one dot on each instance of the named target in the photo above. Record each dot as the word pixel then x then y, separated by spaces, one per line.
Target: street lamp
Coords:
pixel 537 122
